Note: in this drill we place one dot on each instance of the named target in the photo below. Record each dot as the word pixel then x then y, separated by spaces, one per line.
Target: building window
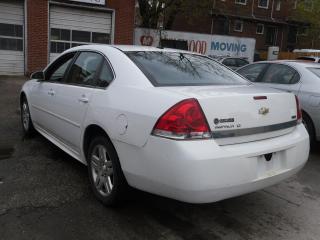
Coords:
pixel 238 26
pixel 278 5
pixel 260 28
pixel 63 39
pixel 242 2
pixel 263 3
pixel 308 5
pixel 11 37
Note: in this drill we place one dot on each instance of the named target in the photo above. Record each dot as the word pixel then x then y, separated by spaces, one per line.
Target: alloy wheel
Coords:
pixel 25 116
pixel 102 171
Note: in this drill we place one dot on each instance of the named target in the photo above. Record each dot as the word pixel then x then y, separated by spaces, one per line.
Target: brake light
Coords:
pixel 299 111
pixel 185 120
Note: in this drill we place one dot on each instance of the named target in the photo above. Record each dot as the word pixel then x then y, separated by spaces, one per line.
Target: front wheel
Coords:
pixel 105 174
pixel 26 121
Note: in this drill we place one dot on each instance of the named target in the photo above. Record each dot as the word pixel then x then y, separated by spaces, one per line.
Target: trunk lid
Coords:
pixel 235 116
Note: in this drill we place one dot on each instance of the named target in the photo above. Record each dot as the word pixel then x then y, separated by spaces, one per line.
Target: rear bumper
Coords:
pixel 202 171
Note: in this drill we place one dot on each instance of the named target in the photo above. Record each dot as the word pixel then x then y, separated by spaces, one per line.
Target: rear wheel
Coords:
pixel 26 121
pixel 105 174
pixel 307 122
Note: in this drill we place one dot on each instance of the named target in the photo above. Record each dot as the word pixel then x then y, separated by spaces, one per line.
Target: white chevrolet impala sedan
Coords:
pixel 169 122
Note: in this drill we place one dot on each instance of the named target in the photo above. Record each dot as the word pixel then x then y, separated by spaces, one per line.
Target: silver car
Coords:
pixel 232 62
pixel 301 78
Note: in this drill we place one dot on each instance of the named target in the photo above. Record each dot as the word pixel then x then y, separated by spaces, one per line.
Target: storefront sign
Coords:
pixel 218 45
pixel 98 2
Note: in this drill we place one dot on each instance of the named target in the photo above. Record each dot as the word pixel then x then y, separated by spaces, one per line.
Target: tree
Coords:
pixel 307 14
pixel 154 11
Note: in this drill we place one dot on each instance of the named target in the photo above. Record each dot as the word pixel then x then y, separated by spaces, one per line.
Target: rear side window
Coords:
pixel 84 69
pixel 252 72
pixel 280 74
pixel 241 62
pixel 105 76
pixel 183 69
pixel 315 71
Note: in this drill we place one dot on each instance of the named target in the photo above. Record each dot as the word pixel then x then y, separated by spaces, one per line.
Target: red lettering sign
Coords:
pixel 146 40
pixel 198 46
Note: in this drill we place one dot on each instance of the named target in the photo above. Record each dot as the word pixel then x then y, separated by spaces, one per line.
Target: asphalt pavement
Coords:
pixel 44 194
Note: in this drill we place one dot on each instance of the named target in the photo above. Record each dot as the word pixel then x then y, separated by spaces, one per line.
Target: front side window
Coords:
pixel 57 70
pixel 183 69
pixel 230 62
pixel 252 72
pixel 84 69
pixel 280 74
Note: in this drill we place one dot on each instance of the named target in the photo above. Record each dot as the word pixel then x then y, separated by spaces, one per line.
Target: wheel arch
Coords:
pixel 304 113
pixel 90 132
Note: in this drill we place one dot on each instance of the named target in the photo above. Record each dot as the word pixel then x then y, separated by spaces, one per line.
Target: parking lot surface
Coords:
pixel 44 194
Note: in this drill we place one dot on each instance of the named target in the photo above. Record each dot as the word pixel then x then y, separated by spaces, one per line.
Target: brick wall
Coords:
pixel 230 11
pixel 37 28
pixel 124 22
pixel 37 35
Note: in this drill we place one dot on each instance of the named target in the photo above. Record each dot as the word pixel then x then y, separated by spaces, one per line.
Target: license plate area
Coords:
pixel 271 164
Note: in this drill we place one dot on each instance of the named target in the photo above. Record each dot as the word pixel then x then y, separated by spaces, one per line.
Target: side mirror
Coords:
pixel 38 76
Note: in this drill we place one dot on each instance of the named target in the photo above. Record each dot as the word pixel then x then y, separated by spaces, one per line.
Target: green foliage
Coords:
pixel 154 11
pixel 308 15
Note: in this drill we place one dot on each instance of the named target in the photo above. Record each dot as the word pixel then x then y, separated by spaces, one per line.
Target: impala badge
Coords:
pixel 263 111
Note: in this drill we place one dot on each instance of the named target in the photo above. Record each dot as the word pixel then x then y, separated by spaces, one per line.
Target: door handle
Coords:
pixel 51 92
pixel 83 100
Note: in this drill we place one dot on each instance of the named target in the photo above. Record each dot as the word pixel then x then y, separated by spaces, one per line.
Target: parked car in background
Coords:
pixel 309 58
pixel 169 122
pixel 300 78
pixel 232 62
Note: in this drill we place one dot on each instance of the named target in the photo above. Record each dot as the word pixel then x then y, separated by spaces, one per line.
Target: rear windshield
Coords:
pixel 183 69
pixel 316 71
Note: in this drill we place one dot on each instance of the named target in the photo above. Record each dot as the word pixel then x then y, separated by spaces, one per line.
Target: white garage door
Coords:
pixel 11 38
pixel 70 27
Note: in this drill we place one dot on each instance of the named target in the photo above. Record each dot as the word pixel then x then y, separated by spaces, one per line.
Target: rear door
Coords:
pixel 73 97
pixel 282 77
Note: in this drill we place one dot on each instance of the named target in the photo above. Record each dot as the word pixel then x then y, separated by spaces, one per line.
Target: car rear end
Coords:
pixel 223 139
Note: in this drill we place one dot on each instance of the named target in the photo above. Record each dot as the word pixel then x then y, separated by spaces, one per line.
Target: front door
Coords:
pixel 43 94
pixel 73 97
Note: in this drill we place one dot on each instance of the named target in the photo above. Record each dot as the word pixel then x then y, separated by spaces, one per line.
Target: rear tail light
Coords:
pixel 185 120
pixel 299 111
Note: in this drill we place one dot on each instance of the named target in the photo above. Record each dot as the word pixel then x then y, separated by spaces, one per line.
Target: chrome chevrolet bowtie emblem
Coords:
pixel 263 111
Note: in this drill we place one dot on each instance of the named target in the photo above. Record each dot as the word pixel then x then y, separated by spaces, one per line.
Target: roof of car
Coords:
pixel 294 62
pixel 126 48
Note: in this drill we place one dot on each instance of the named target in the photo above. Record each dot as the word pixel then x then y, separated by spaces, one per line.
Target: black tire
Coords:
pixel 26 120
pixel 117 179
pixel 310 128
